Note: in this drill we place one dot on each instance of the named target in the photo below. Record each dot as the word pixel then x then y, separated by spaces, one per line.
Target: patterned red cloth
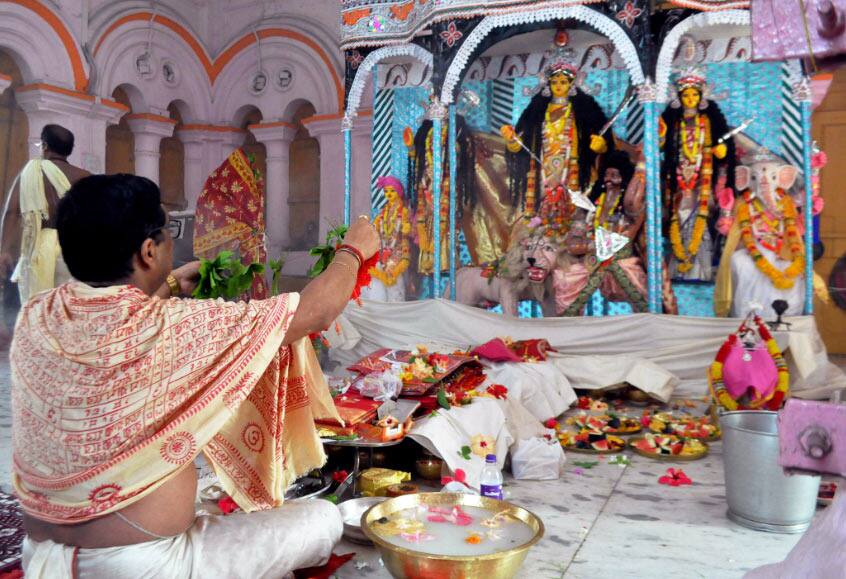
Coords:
pixel 230 216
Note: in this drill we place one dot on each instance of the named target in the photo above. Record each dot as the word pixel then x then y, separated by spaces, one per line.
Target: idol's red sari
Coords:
pixel 230 216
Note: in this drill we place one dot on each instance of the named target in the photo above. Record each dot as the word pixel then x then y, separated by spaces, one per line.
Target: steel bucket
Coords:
pixel 759 495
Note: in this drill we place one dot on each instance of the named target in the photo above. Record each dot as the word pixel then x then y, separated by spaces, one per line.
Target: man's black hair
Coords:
pixel 102 222
pixel 58 139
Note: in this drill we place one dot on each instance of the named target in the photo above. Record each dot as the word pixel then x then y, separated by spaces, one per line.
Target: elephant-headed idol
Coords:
pixel 764 255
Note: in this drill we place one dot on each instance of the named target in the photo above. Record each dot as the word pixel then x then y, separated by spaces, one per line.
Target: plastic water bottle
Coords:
pixel 490 481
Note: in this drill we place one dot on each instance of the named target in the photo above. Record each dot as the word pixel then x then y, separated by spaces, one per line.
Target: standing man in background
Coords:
pixel 29 244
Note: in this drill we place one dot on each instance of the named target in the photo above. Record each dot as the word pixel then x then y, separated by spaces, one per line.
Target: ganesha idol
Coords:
pixel 764 255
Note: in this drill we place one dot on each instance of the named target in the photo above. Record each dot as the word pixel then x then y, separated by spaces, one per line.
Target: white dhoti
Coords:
pixel 44 269
pixel 264 544
pixel 751 285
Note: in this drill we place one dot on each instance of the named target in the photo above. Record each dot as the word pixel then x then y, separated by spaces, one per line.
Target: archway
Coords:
pixel 120 143
pixel 14 127
pixel 172 164
pixel 304 184
pixel 14 130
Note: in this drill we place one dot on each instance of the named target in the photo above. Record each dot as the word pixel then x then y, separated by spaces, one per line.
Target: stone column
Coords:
pixel 362 147
pixel 276 137
pixel 84 115
pixel 206 146
pixel 327 130
pixel 148 130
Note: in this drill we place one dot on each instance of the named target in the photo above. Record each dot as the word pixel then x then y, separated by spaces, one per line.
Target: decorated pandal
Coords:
pixel 618 216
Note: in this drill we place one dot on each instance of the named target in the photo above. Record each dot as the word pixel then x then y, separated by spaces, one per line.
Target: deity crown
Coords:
pixel 691 78
pixel 561 59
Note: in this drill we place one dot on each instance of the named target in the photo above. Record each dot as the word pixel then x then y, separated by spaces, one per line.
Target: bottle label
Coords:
pixel 492 491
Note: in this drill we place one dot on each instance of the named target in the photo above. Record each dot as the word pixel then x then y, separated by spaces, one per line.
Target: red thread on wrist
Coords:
pixel 354 251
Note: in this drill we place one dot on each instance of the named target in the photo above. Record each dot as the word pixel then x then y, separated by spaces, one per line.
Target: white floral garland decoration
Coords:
pixel 664 67
pixel 371 60
pixel 602 23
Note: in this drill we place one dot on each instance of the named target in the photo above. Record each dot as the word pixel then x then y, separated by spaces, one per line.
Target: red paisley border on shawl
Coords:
pixel 107 493
pixel 253 437
pixel 225 382
pixel 242 473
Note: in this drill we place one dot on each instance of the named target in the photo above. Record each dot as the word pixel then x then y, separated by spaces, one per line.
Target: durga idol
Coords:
pixel 556 142
pixel 695 166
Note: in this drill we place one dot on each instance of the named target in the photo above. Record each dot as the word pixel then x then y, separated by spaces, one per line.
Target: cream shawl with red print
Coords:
pixel 113 392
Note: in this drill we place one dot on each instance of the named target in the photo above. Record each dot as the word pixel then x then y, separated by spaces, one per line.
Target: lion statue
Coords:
pixel 523 273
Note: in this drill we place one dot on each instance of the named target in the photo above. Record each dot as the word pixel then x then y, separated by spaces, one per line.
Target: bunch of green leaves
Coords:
pixel 326 253
pixel 225 277
pixel 275 266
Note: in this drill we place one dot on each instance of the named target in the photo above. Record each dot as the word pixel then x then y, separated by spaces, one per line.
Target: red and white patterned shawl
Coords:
pixel 113 392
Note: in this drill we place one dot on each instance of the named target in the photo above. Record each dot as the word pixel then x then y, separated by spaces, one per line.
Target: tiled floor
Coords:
pixel 608 521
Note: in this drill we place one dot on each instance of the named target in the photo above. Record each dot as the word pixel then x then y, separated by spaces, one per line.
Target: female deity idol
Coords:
pixel 556 143
pixel 394 226
pixel 694 162
pixel 421 178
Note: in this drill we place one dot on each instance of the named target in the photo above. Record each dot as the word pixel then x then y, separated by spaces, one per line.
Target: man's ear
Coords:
pixel 147 253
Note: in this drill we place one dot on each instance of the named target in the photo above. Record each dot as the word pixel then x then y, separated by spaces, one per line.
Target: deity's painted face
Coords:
pixel 391 194
pixel 559 85
pixel 690 98
pixel 613 178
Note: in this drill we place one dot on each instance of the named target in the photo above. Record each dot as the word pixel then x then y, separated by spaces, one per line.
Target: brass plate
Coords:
pixel 667 457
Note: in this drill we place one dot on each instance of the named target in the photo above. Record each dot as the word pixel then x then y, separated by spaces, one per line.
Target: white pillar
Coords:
pixel 362 147
pixel 327 130
pixel 84 115
pixel 148 130
pixel 276 138
pixel 206 146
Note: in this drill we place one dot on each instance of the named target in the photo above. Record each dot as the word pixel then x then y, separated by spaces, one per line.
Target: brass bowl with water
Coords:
pixel 404 563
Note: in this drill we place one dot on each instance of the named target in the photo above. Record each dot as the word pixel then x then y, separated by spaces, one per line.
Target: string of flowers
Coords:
pixel 715 374
pixel 385 223
pixel 780 279
pixel 684 255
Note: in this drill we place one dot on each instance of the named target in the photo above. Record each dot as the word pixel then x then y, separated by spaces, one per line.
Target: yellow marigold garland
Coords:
pixel 715 373
pixel 684 255
pixel 781 279
pixel 385 222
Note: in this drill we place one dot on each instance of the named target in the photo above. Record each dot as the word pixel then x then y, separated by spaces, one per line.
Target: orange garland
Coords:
pixel 781 279
pixel 715 374
pixel 685 256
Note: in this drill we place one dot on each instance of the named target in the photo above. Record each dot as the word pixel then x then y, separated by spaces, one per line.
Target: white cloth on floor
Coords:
pixel 265 544
pixel 681 346
pixel 820 553
pixel 598 372
pixel 447 431
pixel 541 387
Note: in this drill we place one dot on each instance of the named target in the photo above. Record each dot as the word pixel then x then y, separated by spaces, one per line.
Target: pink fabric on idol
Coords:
pixel 745 369
pixel 633 267
pixel 568 284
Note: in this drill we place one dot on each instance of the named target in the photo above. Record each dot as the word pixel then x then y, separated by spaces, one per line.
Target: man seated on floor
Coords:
pixel 116 388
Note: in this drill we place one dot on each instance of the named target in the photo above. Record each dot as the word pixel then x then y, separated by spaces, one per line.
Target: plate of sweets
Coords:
pixel 591 441
pixel 685 426
pixel 610 423
pixel 668 447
